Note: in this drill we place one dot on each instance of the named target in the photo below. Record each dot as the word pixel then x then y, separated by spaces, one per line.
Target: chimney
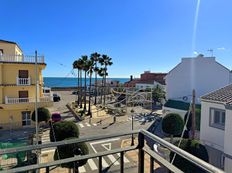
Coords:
pixel 131 78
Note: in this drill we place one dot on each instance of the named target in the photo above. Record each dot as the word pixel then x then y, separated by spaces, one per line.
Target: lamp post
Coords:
pixel 132 126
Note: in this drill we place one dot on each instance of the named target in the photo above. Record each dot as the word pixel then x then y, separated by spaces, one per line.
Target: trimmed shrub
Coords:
pixel 43 115
pixel 195 148
pixel 172 124
pixel 63 130
pixel 71 150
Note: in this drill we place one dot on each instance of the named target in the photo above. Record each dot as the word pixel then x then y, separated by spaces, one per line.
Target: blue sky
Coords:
pixel 138 34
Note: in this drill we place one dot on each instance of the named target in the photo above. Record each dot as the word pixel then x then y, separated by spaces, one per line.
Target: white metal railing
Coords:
pixel 23 81
pixel 9 100
pixel 21 58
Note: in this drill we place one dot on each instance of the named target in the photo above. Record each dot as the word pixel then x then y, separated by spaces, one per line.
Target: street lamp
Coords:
pixel 132 126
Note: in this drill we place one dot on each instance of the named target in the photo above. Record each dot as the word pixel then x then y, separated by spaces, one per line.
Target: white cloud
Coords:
pixel 221 48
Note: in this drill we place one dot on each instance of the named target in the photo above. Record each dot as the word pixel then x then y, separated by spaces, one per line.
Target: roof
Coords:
pixel 176 104
pixel 196 58
pixel 222 95
pixel 10 42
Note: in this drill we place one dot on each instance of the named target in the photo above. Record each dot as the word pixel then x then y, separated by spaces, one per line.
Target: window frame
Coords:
pixel 219 125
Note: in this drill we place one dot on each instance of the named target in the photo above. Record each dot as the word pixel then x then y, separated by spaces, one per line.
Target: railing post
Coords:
pixel 47 169
pixel 6 100
pixel 141 153
pixel 122 162
pixel 100 164
pixel 151 164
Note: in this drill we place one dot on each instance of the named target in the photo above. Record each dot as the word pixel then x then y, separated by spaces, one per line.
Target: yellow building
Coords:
pixel 18 86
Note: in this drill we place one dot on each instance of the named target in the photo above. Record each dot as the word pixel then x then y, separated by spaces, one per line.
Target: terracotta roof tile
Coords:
pixel 223 95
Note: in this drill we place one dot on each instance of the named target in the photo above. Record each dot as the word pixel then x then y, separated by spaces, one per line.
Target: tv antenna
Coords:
pixel 211 51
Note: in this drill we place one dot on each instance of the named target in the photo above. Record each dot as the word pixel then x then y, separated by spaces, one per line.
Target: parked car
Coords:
pixel 56 97
pixel 75 92
pixel 56 117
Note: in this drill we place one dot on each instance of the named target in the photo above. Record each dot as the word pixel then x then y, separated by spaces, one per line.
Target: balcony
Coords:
pixel 9 100
pixel 141 149
pixel 21 58
pixel 23 81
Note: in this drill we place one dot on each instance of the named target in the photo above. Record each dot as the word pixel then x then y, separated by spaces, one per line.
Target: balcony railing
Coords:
pixel 143 135
pixel 23 81
pixel 26 100
pixel 21 58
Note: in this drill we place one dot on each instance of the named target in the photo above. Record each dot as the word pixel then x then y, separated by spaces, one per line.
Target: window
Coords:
pixel 217 118
pixel 26 118
pixel 23 73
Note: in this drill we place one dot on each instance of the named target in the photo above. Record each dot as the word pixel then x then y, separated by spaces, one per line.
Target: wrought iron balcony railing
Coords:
pixel 143 135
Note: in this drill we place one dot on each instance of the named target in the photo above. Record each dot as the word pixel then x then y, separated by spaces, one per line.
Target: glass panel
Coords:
pixel 223 117
pixel 24 123
pixel 216 117
pixel 24 116
pixel 28 122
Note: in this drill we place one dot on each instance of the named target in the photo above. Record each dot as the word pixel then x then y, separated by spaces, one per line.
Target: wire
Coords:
pixel 182 134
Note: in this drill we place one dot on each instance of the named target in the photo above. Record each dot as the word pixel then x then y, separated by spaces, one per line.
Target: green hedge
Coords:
pixel 195 148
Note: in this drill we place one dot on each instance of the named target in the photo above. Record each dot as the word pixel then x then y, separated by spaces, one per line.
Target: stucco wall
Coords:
pixel 8 48
pixel 211 136
pixel 201 73
pixel 11 71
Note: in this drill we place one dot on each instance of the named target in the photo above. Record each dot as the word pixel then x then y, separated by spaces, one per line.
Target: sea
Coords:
pixel 72 82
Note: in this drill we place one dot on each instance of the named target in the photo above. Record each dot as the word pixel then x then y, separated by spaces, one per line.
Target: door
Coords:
pixel 23 96
pixel 26 118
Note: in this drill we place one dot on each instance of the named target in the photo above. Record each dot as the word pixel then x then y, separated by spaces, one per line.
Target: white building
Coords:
pixel 204 74
pixel 148 84
pixel 216 127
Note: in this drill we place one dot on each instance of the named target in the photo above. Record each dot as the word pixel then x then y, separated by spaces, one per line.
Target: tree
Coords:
pixel 172 124
pixel 85 68
pixel 105 61
pixel 95 58
pixel 101 73
pixel 43 115
pixel 78 64
pixel 193 147
pixel 71 150
pixel 158 94
pixel 90 65
pixel 62 130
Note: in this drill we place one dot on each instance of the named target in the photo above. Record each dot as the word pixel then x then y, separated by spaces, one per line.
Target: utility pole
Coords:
pixel 193 113
pixel 36 105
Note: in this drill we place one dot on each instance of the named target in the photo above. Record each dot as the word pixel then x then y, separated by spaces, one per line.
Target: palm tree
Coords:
pixel 105 61
pixel 78 65
pixel 90 65
pixel 95 57
pixel 101 73
pixel 85 67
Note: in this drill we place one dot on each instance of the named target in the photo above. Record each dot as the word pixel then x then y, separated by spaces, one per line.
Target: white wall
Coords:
pixel 203 74
pixel 167 110
pixel 211 136
pixel 144 86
